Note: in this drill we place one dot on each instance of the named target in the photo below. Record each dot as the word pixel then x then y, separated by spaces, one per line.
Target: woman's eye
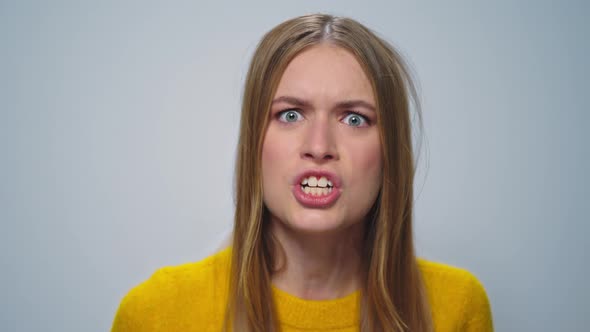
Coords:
pixel 289 116
pixel 355 120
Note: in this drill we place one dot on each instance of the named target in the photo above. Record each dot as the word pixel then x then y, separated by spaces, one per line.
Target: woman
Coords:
pixel 322 237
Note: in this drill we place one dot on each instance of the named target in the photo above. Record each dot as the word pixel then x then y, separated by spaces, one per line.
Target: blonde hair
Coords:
pixel 393 295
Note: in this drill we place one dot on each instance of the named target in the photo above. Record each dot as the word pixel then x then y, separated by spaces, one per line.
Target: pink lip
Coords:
pixel 308 200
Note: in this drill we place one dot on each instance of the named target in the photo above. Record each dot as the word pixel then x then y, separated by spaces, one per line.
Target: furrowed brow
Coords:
pixel 293 101
pixel 355 104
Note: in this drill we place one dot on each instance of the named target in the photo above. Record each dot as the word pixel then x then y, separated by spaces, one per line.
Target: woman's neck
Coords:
pixel 318 266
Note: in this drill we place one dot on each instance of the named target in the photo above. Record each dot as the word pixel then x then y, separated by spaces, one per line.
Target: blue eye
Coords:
pixel 355 120
pixel 290 116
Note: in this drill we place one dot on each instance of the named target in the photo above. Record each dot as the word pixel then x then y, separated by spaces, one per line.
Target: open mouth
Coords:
pixel 317 189
pixel 315 186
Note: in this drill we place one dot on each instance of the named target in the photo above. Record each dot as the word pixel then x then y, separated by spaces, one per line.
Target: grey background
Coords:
pixel 119 122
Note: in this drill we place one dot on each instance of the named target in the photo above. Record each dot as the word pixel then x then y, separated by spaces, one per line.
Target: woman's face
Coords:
pixel 321 156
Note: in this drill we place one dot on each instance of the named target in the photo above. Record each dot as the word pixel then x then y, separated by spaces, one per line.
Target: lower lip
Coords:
pixel 312 201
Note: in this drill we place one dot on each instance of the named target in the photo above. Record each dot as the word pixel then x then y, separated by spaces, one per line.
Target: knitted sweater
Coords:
pixel 192 297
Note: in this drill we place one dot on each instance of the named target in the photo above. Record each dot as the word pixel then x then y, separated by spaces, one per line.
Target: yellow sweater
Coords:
pixel 192 297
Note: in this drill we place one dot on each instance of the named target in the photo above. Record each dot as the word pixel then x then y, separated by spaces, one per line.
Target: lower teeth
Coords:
pixel 316 191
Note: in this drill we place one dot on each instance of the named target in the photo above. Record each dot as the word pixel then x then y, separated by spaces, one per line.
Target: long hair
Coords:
pixel 393 295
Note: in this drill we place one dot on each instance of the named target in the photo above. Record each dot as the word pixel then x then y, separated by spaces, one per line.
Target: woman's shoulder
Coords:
pixel 439 272
pixel 177 295
pixel 457 298
pixel 188 274
pixel 171 281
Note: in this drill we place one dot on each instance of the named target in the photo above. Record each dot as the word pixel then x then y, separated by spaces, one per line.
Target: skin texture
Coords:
pixel 322 245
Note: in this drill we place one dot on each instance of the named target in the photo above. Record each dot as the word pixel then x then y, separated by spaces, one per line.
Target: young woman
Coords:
pixel 322 238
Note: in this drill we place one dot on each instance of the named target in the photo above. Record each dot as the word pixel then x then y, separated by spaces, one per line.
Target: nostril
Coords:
pixel 325 156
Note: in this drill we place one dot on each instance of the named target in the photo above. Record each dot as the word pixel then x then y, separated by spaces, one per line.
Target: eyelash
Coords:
pixel 366 122
pixel 279 115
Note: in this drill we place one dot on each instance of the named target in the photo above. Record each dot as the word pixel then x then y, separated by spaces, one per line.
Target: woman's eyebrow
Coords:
pixel 355 104
pixel 293 101
pixel 306 104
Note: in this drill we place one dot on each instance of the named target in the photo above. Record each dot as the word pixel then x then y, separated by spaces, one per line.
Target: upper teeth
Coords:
pixel 313 181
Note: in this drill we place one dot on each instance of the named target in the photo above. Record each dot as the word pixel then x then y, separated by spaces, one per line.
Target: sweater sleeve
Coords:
pixel 187 297
pixel 478 313
pixel 137 306
pixel 125 318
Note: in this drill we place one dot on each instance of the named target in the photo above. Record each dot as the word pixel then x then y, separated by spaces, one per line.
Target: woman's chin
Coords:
pixel 316 222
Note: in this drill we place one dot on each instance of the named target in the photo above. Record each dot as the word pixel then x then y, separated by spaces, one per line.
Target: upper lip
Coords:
pixel 331 176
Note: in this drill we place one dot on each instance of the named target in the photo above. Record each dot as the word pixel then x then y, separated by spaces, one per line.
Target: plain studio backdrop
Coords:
pixel 119 124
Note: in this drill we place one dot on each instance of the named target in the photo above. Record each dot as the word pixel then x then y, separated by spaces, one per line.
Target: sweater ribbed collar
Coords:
pixel 317 314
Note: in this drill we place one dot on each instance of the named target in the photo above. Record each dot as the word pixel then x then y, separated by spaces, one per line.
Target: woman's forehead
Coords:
pixel 325 72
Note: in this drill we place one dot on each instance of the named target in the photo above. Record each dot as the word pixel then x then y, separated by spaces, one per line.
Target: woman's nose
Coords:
pixel 319 141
